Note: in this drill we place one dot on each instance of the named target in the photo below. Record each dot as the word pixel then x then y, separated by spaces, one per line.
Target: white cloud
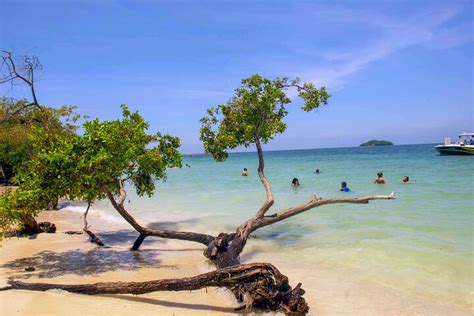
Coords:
pixel 421 28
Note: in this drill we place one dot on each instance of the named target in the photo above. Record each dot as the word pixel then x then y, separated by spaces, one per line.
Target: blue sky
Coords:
pixel 401 71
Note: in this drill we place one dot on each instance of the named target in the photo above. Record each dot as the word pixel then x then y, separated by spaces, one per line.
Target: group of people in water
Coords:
pixel 378 180
pixel 344 188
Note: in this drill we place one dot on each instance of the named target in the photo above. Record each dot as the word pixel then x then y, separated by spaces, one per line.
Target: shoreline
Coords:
pixel 73 259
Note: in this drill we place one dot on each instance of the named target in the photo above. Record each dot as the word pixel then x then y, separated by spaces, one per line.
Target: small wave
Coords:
pixel 76 209
pixel 94 211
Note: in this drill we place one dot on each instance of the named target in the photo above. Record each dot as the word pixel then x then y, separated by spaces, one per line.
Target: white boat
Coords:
pixel 464 145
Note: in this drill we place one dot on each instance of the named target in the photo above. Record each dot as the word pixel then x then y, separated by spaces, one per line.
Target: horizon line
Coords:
pixel 295 149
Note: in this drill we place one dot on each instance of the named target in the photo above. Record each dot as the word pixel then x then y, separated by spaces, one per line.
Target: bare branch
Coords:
pixel 84 217
pixel 146 231
pixel 315 202
pixel 24 72
pixel 122 195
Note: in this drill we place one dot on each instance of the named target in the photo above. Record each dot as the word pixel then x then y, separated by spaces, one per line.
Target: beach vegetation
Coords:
pixel 93 165
pixel 18 124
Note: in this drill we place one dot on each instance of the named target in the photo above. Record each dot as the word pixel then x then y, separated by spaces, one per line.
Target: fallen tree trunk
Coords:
pixel 258 285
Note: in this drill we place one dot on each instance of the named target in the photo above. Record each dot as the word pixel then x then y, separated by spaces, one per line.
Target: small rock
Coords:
pixel 48 227
pixel 30 269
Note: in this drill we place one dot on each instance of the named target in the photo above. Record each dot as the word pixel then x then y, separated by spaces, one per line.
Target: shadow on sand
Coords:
pixel 124 237
pixel 49 264
pixel 201 307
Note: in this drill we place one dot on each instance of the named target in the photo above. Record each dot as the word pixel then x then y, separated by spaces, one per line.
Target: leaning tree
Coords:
pixel 253 116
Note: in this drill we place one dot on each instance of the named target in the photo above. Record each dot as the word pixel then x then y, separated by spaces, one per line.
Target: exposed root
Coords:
pixel 262 285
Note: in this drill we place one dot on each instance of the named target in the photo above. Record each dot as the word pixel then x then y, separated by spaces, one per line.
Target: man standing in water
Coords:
pixel 295 182
pixel 344 187
pixel 379 179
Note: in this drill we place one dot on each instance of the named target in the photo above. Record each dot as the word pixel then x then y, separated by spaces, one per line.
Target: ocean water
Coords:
pixel 419 244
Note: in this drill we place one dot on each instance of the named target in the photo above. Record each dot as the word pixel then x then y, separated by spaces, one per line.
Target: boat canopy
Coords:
pixel 466 134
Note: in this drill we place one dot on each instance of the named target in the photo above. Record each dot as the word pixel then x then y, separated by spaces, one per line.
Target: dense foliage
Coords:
pixel 84 167
pixel 256 110
pixel 18 122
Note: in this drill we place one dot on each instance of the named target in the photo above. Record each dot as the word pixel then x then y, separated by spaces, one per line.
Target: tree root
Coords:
pixel 258 285
pixel 93 238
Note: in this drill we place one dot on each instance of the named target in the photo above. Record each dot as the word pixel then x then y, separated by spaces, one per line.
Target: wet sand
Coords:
pixel 70 259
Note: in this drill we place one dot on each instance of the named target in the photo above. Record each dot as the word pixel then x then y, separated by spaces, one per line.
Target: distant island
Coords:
pixel 375 142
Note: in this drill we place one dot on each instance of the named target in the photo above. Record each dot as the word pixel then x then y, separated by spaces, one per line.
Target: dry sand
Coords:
pixel 62 258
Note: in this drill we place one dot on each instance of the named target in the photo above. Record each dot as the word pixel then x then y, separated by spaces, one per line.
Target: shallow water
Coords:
pixel 420 244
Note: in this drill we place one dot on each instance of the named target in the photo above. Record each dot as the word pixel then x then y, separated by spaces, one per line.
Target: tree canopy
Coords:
pixel 255 112
pixel 85 167
pixel 18 123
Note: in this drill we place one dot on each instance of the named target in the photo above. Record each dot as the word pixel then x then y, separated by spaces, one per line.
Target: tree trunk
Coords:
pixel 258 285
pixel 139 241
pixel 92 236
pixel 30 226
pixel 53 205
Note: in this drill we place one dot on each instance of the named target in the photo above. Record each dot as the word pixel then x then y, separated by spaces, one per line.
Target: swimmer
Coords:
pixel 379 179
pixel 406 179
pixel 317 171
pixel 245 172
pixel 295 182
pixel 344 187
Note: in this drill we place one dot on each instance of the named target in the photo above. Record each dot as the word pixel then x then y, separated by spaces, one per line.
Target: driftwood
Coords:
pixel 259 285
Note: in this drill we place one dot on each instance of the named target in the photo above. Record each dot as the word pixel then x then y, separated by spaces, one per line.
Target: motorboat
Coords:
pixel 463 146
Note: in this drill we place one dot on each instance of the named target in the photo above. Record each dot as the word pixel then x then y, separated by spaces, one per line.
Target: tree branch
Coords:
pixel 146 231
pixel 84 217
pixel 31 65
pixel 315 202
pixel 93 237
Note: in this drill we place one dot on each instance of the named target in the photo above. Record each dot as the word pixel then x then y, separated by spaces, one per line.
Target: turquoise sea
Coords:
pixel 421 243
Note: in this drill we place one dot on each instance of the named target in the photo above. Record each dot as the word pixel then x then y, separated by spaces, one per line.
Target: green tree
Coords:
pixel 18 122
pixel 253 116
pixel 94 165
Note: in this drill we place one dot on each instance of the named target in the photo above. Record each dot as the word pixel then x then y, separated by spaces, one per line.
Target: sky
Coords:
pixel 396 70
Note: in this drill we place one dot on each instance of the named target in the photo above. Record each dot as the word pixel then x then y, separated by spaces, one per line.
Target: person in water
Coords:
pixel 295 182
pixel 245 172
pixel 344 187
pixel 379 179
pixel 317 171
pixel 406 179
